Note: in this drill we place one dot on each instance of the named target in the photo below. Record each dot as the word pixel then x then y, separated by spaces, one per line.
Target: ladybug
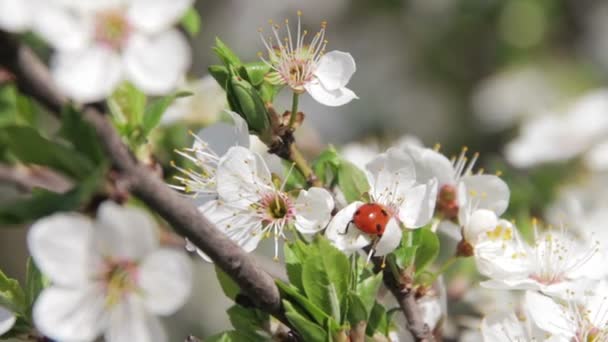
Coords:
pixel 371 218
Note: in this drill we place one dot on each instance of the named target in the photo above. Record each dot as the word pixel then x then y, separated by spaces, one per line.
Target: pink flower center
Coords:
pixel 277 206
pixel 112 29
pixel 119 278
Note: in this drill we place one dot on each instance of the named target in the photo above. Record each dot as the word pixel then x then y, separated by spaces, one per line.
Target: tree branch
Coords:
pixel 33 78
pixel 406 298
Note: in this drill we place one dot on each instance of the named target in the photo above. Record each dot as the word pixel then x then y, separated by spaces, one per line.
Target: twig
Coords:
pixel 28 178
pixel 33 78
pixel 406 298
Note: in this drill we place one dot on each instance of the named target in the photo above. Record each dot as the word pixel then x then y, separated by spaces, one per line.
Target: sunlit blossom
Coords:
pixel 306 67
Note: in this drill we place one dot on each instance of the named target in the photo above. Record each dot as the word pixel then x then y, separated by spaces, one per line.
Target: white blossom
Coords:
pixel 563 134
pixel 553 263
pixel 250 206
pixel 7 320
pixel 581 317
pixel 507 327
pixel 109 276
pixel 100 45
pixel 306 67
pixel 460 190
pixel 392 180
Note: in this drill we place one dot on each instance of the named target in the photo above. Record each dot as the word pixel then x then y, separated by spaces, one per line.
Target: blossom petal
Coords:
pixel 16 16
pixel 165 277
pixel 129 321
pixel 70 314
pixel 63 29
pixel 419 204
pixel 313 210
pixel 335 69
pixel 332 98
pixel 60 245
pixel 487 192
pixel 124 232
pixel 221 136
pixel 156 64
pixel 502 327
pixel 390 174
pixel 548 315
pixel 87 75
pixel 478 223
pixel 344 235
pixel 153 16
pixel 240 226
pixel 430 164
pixel 7 320
pixel 390 239
pixel 242 176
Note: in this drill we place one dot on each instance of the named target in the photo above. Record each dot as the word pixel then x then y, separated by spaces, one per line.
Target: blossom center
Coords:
pixel 119 279
pixel 112 29
pixel 277 206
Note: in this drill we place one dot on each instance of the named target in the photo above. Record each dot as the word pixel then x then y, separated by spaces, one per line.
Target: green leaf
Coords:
pixel 326 165
pixel 156 109
pixel 428 248
pixel 352 181
pixel 325 278
pixel 27 145
pixel 11 295
pixel 367 291
pixel 293 295
pixel 309 331
pixel 127 105
pixel 249 322
pixel 35 282
pixel 294 257
pixel 405 256
pixel 43 203
pixel 191 21
pixel 82 135
pixel 377 321
pixel 230 288
pixel 226 55
pixel 357 311
pixel 221 74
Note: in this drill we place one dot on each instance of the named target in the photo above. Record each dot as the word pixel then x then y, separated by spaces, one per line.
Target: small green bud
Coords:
pixel 228 57
pixel 245 100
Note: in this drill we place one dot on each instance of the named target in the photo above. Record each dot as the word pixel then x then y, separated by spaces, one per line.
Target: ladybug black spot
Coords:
pixel 379 227
pixel 384 212
pixel 357 212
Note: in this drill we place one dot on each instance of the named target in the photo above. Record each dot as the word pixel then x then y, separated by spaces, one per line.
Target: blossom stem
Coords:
pixel 294 110
pixel 302 165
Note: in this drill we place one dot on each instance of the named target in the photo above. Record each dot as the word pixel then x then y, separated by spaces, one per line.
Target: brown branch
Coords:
pixel 406 297
pixel 27 178
pixel 33 78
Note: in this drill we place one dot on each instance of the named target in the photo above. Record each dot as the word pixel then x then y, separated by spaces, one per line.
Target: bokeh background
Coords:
pixel 454 72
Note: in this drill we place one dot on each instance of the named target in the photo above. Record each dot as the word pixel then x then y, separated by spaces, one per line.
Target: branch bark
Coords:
pixel 406 298
pixel 33 78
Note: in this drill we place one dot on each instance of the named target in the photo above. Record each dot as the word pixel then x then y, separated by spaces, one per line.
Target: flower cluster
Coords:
pixel 99 44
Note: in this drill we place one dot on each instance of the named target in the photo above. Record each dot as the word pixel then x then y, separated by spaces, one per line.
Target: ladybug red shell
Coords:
pixel 371 218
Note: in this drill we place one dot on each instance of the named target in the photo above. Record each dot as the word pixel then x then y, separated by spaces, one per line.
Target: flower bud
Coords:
pixel 246 101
